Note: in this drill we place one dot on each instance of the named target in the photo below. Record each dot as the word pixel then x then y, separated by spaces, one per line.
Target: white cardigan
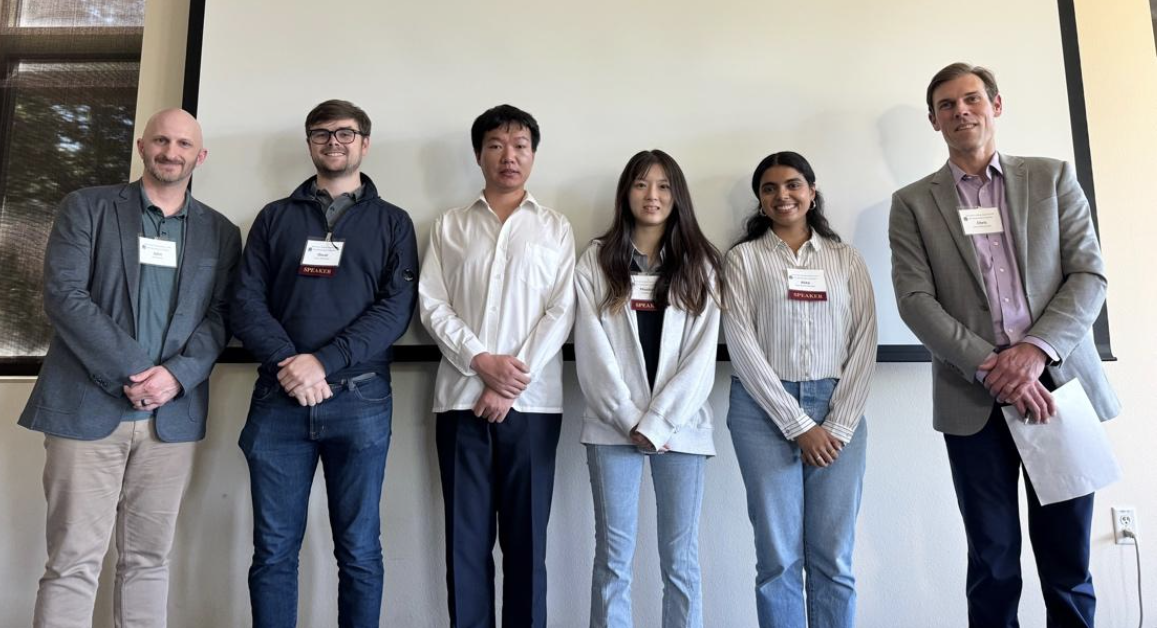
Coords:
pixel 613 374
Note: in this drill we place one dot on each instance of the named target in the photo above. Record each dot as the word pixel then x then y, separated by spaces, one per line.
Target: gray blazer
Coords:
pixel 91 277
pixel 941 295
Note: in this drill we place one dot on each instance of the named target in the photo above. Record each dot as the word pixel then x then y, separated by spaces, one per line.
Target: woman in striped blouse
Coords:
pixel 800 324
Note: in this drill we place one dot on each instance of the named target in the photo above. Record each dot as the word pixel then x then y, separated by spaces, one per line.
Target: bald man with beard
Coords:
pixel 136 278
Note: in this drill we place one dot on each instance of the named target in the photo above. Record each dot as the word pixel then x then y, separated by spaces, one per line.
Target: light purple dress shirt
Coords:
pixel 998 262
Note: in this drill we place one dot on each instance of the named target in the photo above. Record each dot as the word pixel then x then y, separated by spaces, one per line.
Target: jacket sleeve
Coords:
pixel 753 369
pixel 1078 301
pixel 108 352
pixel 550 332
pixel 687 391
pixel 946 337
pixel 386 320
pixel 195 361
pixel 599 369
pixel 253 323
pixel 453 336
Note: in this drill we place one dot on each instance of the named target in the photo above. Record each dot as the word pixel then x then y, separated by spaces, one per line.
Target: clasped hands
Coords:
pixel 505 377
pixel 152 388
pixel 303 377
pixel 818 447
pixel 1013 378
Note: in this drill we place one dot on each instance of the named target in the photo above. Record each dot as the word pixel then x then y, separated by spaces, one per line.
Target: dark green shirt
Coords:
pixel 157 288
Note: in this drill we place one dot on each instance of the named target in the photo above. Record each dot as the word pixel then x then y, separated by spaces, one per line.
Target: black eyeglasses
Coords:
pixel 322 136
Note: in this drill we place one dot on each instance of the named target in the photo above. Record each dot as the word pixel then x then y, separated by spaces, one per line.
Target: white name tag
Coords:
pixel 156 252
pixel 981 221
pixel 643 291
pixel 806 284
pixel 321 258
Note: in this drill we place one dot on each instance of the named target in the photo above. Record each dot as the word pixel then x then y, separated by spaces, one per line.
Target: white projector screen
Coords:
pixel 718 85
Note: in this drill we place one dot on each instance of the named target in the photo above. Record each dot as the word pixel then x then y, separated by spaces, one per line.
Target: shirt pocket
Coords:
pixel 537 266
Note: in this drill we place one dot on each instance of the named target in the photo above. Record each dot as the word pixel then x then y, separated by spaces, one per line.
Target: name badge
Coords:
pixel 321 258
pixel 156 252
pixel 643 292
pixel 806 284
pixel 981 221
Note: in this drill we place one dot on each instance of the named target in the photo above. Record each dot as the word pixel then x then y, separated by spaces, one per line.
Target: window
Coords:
pixel 68 97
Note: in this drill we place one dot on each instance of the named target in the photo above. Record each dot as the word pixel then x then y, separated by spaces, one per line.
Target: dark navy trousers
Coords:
pixel 497 480
pixel 985 468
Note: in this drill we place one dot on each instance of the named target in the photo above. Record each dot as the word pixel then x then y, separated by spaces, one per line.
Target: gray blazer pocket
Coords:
pixel 62 386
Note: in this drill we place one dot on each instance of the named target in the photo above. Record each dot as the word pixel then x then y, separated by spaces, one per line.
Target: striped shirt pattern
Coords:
pixel 772 338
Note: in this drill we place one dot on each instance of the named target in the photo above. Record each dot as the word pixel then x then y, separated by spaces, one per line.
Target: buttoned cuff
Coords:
pixel 842 432
pixel 472 348
pixel 798 426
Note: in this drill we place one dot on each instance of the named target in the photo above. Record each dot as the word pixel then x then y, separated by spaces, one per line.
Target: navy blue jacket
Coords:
pixel 349 320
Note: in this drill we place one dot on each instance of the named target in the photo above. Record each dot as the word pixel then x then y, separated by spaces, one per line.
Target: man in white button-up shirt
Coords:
pixel 496 294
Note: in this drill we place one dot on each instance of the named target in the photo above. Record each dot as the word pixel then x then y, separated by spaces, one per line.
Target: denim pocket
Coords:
pixel 371 390
pixel 263 392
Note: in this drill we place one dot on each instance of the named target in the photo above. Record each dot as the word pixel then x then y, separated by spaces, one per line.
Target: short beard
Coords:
pixel 162 177
pixel 351 167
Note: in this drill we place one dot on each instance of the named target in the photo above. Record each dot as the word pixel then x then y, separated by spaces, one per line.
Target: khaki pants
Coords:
pixel 129 482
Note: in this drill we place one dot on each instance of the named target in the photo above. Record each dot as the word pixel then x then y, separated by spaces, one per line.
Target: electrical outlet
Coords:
pixel 1124 521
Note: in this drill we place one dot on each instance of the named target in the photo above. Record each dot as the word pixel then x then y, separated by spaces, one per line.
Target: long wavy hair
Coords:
pixel 759 223
pixel 688 260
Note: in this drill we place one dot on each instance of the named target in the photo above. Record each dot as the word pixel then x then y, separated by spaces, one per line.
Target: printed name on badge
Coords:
pixel 643 292
pixel 981 221
pixel 321 258
pixel 807 284
pixel 156 252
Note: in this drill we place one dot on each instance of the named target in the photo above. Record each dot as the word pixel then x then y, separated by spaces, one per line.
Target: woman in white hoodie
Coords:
pixel 646 335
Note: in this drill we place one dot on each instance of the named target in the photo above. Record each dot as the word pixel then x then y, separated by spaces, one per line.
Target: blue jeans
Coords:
pixel 616 471
pixel 804 517
pixel 282 442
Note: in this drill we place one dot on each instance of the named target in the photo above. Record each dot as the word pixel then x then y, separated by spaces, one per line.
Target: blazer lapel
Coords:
pixel 193 250
pixel 1017 201
pixel 129 222
pixel 945 193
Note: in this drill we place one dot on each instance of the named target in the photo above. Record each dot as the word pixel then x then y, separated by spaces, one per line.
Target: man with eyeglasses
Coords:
pixel 327 284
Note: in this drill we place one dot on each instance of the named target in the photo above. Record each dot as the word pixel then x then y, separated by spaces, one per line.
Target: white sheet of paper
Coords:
pixel 1071 455
pixel 981 221
pixel 807 280
pixel 156 252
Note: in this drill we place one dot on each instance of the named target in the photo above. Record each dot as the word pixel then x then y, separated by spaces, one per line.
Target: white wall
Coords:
pixel 719 86
pixel 910 556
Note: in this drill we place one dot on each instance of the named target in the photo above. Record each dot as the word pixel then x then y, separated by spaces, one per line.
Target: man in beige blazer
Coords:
pixel 997 270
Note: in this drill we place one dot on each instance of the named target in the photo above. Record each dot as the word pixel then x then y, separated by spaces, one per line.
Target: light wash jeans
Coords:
pixel 616 472
pixel 804 517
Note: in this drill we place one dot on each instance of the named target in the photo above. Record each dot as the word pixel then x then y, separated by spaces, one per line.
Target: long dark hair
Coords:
pixel 688 259
pixel 758 223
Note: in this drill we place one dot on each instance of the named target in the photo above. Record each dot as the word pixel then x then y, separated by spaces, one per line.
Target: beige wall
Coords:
pixel 910 552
